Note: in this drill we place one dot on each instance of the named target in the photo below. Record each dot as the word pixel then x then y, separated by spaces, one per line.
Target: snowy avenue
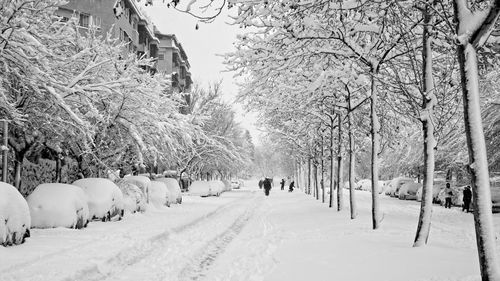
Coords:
pixel 243 235
pixel 249 140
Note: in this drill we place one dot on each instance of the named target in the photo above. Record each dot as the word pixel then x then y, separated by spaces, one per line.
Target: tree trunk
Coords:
pixel 322 181
pixel 375 149
pixel 315 175
pixel 429 101
pixel 309 175
pixel 340 180
pixel 478 164
pixel 332 174
pixel 352 196
pixel 59 168
pixel 18 166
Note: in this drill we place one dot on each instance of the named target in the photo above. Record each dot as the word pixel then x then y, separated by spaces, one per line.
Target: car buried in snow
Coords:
pixel 15 220
pixel 105 199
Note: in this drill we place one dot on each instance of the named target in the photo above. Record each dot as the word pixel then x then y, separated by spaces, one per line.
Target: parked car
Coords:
pixel 235 184
pixel 395 184
pixel 366 185
pixel 200 188
pixel 134 200
pixel 58 205
pixel 15 220
pixel 159 194
pixel 408 191
pixel 174 189
pixel 436 188
pixel 105 199
pixel 144 183
pixel 216 187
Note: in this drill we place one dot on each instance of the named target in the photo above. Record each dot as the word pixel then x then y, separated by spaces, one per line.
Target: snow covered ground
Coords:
pixel 244 235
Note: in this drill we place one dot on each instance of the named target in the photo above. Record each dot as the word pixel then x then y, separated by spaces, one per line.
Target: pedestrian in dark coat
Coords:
pixel 282 184
pixel 261 183
pixel 291 186
pixel 448 194
pixel 267 186
pixel 467 199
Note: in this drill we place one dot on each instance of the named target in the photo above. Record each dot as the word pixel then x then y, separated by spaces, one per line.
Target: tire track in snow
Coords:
pixel 140 250
pixel 206 257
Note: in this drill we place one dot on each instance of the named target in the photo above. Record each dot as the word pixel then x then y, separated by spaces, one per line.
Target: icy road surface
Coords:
pixel 244 235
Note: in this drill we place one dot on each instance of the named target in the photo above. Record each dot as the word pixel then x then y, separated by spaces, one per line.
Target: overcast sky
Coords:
pixel 203 48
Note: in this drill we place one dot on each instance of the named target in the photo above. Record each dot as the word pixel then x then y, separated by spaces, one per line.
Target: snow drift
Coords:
pixel 15 220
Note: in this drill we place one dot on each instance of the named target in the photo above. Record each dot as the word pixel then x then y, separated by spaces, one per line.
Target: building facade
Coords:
pixel 125 20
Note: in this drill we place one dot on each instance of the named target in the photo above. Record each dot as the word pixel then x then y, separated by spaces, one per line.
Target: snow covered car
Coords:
pixel 395 184
pixel 227 185
pixel 58 205
pixel 159 194
pixel 174 188
pixel 15 220
pixel 235 184
pixel 216 187
pixel 456 198
pixel 436 188
pixel 134 199
pixel 200 188
pixel 104 197
pixel 408 191
pixel 144 183
pixel 366 185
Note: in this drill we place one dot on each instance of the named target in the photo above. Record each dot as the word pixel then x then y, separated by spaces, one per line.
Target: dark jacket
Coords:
pixel 267 184
pixel 467 195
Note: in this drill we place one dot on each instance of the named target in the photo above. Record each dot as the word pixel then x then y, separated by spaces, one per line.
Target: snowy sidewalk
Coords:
pixel 299 238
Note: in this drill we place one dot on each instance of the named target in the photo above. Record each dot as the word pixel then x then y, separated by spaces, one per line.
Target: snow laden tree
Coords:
pixel 474 22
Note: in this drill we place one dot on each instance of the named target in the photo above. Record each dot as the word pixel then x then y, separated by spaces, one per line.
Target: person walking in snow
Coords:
pixel 282 184
pixel 291 186
pixel 448 194
pixel 467 198
pixel 261 183
pixel 267 186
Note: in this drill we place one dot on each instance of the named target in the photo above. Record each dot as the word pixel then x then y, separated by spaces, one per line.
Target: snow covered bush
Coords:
pixel 134 199
pixel 58 205
pixel 200 188
pixel 15 220
pixel 105 199
pixel 174 189
pixel 159 194
pixel 144 183
pixel 408 191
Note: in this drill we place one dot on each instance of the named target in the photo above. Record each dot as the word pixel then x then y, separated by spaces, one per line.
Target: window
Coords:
pixel 96 21
pixel 84 20
pixel 161 56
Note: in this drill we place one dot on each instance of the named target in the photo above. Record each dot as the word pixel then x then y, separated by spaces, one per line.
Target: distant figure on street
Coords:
pixel 448 194
pixel 261 183
pixel 467 199
pixel 282 184
pixel 267 186
pixel 291 186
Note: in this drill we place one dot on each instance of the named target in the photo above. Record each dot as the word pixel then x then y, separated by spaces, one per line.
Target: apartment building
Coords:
pixel 173 59
pixel 125 20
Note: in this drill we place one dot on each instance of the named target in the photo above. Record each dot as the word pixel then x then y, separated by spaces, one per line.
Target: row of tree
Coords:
pixel 80 99
pixel 379 81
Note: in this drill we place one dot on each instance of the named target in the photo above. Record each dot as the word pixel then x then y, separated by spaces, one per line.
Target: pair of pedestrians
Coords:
pixel 290 186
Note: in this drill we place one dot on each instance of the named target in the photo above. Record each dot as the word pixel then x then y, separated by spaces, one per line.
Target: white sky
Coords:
pixel 203 48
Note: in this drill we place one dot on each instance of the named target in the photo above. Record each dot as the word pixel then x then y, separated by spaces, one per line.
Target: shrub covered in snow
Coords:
pixel 15 220
pixel 58 205
pixel 200 188
pixel 134 200
pixel 105 199
pixel 144 183
pixel 173 188
pixel 159 194
pixel 408 190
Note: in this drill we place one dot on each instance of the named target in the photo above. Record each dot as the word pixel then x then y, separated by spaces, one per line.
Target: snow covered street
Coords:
pixel 244 235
